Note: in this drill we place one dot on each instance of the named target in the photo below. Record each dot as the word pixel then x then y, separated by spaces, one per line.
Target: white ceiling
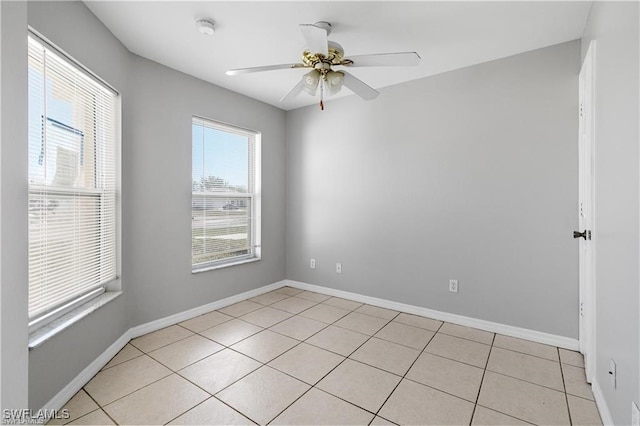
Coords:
pixel 447 35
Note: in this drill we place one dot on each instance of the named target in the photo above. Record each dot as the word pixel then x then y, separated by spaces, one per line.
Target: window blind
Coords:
pixel 225 196
pixel 72 180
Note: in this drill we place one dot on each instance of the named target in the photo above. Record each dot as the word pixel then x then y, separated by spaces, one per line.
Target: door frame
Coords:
pixel 586 210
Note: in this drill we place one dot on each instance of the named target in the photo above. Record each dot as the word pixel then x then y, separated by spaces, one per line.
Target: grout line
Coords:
pixel 484 371
pixel 405 373
pixel 369 337
pixel 530 354
pixel 184 412
pixel 564 386
pixel 236 410
pixel 331 370
pixel 99 408
pixel 142 387
pixel 466 338
pixel 507 415
pixel 525 381
pixel 159 347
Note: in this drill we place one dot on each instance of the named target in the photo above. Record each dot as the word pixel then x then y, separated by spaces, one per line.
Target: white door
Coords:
pixel 586 234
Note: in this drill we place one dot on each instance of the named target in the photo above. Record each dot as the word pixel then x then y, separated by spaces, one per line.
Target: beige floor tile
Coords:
pixel 314 297
pixel 416 404
pixel 265 317
pixel 575 381
pixel 450 376
pixel 269 298
pixel 116 382
pixel 319 408
pixel 459 349
pixel 208 320
pixel 212 412
pixel 523 400
pixel 376 311
pixel 583 412
pixel 298 327
pixel 388 356
pixel 289 291
pixel 97 417
pixel 263 394
pixel 343 303
pixel 418 321
pixel 184 352
pixel 379 421
pixel 218 371
pixel 307 363
pixel 240 308
pixel 77 407
pixel 231 332
pixel 265 345
pixel 157 403
pixel 324 313
pixel 160 338
pixel 407 335
pixel 293 305
pixel 365 324
pixel 338 340
pixel 486 417
pixel 526 367
pixel 125 354
pixel 468 333
pixel 526 347
pixel 571 357
pixel 362 385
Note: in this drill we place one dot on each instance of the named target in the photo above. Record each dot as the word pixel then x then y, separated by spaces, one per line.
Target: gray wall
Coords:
pixel 614 26
pixel 13 218
pixel 157 195
pixel 157 105
pixel 470 175
pixel 72 27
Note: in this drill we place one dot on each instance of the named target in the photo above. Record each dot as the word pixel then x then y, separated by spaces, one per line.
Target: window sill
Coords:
pixel 46 332
pixel 224 265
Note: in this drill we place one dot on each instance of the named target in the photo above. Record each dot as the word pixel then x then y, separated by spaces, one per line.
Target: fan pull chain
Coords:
pixel 321 94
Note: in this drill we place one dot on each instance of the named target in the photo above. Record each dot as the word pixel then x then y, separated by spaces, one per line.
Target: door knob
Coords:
pixel 586 234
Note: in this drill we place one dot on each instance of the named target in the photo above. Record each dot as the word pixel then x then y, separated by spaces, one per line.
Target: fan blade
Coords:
pixel 295 91
pixel 316 38
pixel 264 68
pixel 359 87
pixel 401 59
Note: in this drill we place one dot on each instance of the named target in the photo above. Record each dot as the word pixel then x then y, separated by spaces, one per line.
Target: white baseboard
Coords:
pixel 192 313
pixel 62 397
pixel 603 408
pixel 494 327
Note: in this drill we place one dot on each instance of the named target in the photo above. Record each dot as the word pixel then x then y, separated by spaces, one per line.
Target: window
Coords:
pixel 72 183
pixel 225 203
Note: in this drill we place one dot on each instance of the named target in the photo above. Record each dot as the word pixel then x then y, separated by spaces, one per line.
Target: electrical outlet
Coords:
pixel 453 286
pixel 312 264
pixel 338 268
pixel 612 372
pixel 635 414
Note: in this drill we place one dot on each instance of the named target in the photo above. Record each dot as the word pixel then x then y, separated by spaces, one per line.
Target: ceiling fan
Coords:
pixel 322 55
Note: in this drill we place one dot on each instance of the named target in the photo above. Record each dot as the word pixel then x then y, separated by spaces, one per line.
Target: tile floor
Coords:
pixel 297 357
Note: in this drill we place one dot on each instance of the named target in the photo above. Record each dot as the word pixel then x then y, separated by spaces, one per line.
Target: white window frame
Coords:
pixel 255 141
pixel 66 311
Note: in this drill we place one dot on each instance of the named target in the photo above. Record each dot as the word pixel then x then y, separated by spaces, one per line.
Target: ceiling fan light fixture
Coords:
pixel 335 81
pixel 206 26
pixel 310 82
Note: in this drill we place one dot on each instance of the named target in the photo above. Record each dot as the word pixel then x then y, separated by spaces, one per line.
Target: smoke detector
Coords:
pixel 205 26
